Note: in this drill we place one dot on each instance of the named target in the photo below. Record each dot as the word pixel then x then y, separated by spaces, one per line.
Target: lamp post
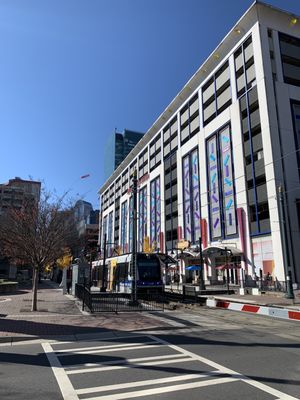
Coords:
pixel 134 300
pixel 104 280
pixel 288 275
pixel 201 272
pixel 103 287
pixel 227 270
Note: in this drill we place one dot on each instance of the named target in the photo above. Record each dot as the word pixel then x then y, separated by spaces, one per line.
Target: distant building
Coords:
pixel 87 223
pixel 119 145
pixel 18 192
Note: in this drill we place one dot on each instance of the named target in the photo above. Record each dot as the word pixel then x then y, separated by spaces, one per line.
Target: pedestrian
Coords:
pixel 69 280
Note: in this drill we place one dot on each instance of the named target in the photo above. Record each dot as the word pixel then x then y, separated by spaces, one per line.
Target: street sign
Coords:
pixel 183 244
pixel 193 261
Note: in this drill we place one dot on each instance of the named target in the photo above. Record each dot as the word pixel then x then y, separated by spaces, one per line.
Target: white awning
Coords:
pixel 221 250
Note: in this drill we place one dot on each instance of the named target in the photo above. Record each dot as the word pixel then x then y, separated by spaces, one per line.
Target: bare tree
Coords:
pixel 37 234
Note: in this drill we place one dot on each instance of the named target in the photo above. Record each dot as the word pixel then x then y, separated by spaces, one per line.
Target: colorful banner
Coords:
pixel 155 213
pixel 187 199
pixel 227 182
pixel 130 223
pixel 196 195
pixel 142 216
pixel 124 227
pixel 214 195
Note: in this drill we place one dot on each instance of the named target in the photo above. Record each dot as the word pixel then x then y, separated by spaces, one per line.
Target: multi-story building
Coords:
pixel 214 161
pixel 87 223
pixel 119 145
pixel 17 193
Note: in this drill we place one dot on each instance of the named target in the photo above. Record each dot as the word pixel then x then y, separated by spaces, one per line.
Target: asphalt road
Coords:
pixel 208 354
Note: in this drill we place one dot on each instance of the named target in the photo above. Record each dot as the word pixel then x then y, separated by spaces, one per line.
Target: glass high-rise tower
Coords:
pixel 118 147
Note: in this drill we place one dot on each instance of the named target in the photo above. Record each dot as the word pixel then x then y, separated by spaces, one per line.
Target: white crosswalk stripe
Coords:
pixel 103 350
pixel 207 373
pixel 129 361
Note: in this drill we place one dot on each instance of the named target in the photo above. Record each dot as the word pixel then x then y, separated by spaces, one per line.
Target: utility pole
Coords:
pixel 201 272
pixel 288 275
pixel 103 287
pixel 227 270
pixel 134 300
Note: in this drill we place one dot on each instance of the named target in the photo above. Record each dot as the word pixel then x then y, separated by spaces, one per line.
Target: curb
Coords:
pixel 275 312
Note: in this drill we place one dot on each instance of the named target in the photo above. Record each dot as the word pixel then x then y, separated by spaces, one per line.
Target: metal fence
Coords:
pixel 263 285
pixel 118 302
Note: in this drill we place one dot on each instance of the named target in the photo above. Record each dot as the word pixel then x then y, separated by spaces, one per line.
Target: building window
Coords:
pixel 111 194
pixel 155 152
pixel 118 188
pixel 222 208
pixel 143 163
pixel 189 120
pixel 104 231
pixel 142 216
pixel 191 197
pixel 170 138
pixel 132 168
pixel 110 234
pixel 244 67
pixel 254 164
pixel 124 216
pixel 216 94
pixel 130 224
pixel 117 221
pixel 105 198
pixel 290 57
pixel 171 206
pixel 125 182
pixel 272 54
pixel 296 122
pixel 155 213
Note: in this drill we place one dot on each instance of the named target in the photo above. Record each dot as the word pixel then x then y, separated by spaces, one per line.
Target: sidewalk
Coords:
pixel 58 317
pixel 264 300
pixel 266 304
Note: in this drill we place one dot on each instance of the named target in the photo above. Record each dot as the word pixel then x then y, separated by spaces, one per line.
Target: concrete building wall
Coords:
pixel 260 251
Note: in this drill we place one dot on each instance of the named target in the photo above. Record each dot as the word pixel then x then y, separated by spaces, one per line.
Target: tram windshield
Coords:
pixel 148 268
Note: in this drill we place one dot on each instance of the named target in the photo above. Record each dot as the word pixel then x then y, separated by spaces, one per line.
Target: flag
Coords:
pixel 84 176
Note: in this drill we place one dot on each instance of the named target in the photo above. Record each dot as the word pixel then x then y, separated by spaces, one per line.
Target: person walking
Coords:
pixel 69 279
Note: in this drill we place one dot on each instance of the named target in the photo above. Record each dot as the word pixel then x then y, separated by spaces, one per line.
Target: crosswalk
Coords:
pixel 138 366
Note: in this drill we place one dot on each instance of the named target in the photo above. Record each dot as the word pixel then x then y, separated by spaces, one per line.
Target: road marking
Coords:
pixel 276 393
pixel 99 389
pixel 67 390
pixel 99 337
pixel 127 361
pixel 110 350
pixel 87 350
pixel 113 368
pixel 167 389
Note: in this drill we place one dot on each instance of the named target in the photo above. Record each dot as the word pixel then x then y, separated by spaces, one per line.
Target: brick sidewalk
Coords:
pixel 58 315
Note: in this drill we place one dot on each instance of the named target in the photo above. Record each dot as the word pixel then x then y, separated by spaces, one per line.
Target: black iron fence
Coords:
pixel 97 302
pixel 263 285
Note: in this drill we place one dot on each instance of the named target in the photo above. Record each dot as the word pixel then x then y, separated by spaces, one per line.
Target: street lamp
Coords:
pixel 227 269
pixel 104 280
pixel 201 272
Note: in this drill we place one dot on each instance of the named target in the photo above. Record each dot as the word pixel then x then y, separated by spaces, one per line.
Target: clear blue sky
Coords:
pixel 72 71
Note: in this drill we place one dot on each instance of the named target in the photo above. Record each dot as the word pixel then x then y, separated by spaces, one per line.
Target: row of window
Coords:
pixel 216 97
pixel 221 191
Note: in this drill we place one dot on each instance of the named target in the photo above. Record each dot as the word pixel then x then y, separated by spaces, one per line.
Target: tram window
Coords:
pixel 149 269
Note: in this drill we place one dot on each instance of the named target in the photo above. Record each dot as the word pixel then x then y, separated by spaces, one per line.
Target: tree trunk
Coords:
pixel 34 288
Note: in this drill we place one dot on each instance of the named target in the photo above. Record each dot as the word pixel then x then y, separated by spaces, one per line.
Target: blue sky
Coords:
pixel 72 71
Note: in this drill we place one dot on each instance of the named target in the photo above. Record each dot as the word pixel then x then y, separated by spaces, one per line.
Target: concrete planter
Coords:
pixel 7 287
